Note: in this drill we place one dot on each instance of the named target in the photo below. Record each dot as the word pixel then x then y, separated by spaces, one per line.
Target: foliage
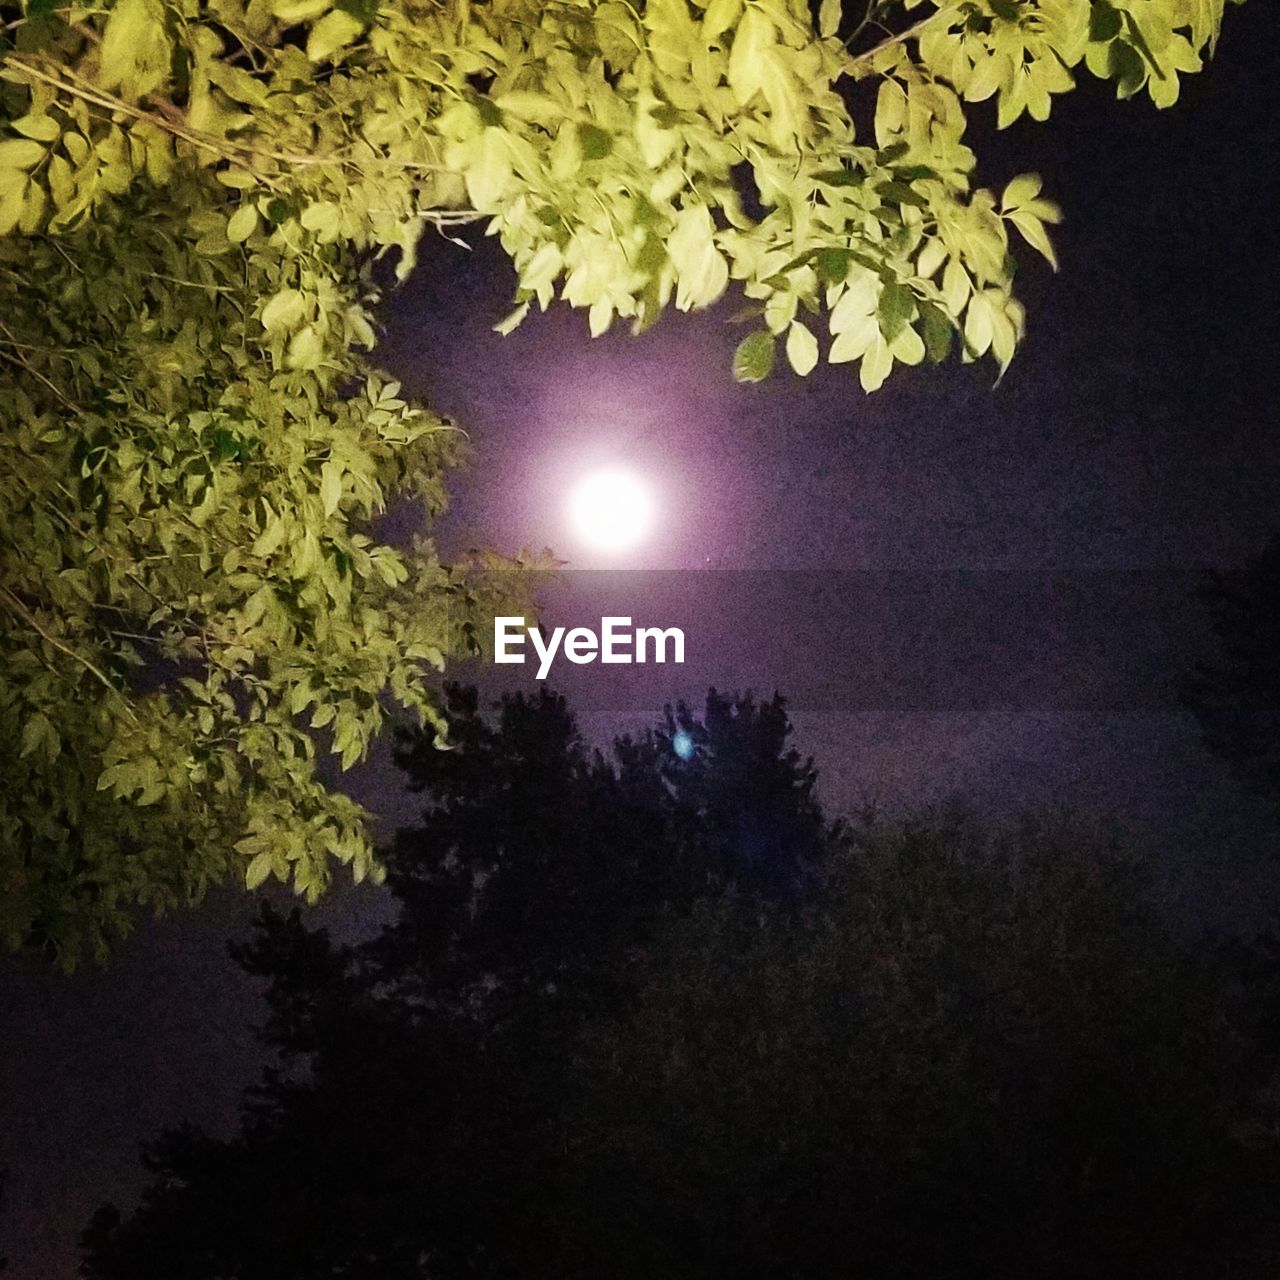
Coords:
pixel 981 1053
pixel 194 440
pixel 1235 691
pixel 659 1018
pixel 438 1050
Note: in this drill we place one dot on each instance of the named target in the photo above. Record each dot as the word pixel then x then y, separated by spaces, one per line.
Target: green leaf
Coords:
pixel 754 37
pixel 512 320
pixel 324 218
pixel 242 223
pixel 136 54
pixel 753 358
pixel 1032 229
pixel 270 538
pixel 41 128
pixel 802 348
pixel 258 870
pixel 841 177
pixel 1126 67
pixel 330 487
pixel 305 348
pixel 702 271
pixel 1104 22
pixel 897 303
pixel 256 605
pixel 35 732
pixel 20 153
pixel 365 10
pixel 594 141
pixel 899 193
pixel 832 264
pixel 334 31
pixel 292 11
pixel 284 310
pixel 13 191
pixel 1021 190
pixel 225 445
pixel 938 331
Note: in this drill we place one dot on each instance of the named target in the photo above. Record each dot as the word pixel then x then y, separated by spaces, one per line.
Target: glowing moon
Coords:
pixel 611 510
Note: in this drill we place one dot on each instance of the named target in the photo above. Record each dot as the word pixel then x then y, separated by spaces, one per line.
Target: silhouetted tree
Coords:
pixel 414 1118
pixel 976 1056
pixel 650 1014
pixel 1235 692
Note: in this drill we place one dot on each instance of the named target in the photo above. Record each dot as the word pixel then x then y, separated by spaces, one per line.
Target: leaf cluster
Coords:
pixel 195 438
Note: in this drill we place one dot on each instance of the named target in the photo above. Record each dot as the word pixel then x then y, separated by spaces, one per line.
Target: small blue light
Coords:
pixel 682 745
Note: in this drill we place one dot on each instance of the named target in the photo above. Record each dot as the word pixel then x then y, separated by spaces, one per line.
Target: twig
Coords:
pixel 191 284
pixel 28 617
pixel 35 373
pixel 868 55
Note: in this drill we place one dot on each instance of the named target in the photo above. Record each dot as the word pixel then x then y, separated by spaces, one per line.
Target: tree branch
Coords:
pixel 25 365
pixel 172 119
pixel 910 33
pixel 16 606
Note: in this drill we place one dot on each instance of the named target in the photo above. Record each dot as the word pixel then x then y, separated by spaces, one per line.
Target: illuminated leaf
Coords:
pixel 242 223
pixel 334 31
pixel 330 487
pixel 196 203
pixel 40 127
pixel 802 348
pixel 284 310
pixel 20 153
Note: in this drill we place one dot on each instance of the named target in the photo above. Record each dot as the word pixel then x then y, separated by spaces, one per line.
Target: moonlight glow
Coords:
pixel 611 510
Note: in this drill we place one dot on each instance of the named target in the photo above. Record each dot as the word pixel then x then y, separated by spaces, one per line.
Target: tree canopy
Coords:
pixel 196 440
pixel 660 1017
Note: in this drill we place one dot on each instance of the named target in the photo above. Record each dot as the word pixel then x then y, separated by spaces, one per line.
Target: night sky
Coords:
pixel 961 588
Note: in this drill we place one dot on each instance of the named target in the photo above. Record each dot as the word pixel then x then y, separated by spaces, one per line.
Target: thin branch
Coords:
pixel 35 373
pixel 221 146
pixel 441 217
pixel 16 606
pixel 76 531
pixel 192 284
pixel 910 33
pixel 862 26
pixel 171 118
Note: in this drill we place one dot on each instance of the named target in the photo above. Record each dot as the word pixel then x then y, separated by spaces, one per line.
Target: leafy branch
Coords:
pixel 21 611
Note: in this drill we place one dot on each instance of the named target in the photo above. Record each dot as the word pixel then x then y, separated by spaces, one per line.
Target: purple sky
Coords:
pixel 960 587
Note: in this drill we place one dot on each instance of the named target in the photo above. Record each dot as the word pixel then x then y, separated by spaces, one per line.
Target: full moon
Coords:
pixel 611 510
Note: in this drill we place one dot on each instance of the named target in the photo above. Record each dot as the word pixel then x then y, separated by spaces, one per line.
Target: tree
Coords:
pixel 980 1053
pixel 195 439
pixel 1234 692
pixel 422 1073
pixel 599 1038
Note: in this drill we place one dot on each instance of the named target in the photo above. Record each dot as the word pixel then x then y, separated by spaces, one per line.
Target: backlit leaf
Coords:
pixel 753 357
